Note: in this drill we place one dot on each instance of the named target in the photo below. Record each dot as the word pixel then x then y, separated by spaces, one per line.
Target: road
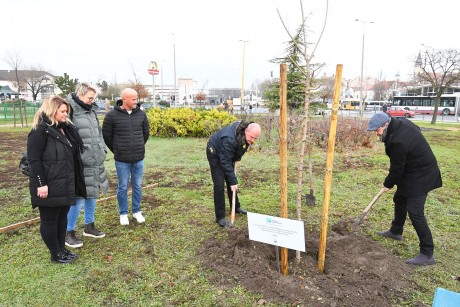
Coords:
pixel 368 114
pixel 417 117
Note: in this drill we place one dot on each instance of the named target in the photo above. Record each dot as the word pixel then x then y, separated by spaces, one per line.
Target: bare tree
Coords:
pixel 142 92
pixel 440 68
pixel 308 56
pixel 14 61
pixel 326 89
pixel 137 85
pixel 380 88
pixel 36 79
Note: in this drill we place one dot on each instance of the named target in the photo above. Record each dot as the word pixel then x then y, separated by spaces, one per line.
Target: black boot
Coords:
pixel 222 223
pixel 59 257
pixel 69 254
pixel 241 211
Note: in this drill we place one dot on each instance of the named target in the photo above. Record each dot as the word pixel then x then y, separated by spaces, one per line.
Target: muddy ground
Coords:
pixel 358 271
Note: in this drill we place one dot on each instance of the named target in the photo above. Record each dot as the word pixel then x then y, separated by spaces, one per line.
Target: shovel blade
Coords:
pixel 310 199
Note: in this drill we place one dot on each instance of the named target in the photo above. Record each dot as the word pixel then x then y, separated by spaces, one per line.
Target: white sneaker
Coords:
pixel 139 218
pixel 124 220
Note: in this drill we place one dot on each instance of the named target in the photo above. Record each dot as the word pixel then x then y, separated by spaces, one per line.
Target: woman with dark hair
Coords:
pixel 56 173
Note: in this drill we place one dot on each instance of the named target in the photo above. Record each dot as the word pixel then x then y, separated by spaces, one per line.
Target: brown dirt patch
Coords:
pixel 12 146
pixel 358 272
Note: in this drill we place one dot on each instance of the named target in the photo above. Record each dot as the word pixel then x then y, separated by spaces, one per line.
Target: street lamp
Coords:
pixel 242 76
pixel 174 52
pixel 361 101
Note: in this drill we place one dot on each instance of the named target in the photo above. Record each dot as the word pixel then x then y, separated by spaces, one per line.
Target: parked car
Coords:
pixel 399 112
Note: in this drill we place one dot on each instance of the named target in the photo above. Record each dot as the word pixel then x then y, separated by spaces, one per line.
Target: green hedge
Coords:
pixel 186 122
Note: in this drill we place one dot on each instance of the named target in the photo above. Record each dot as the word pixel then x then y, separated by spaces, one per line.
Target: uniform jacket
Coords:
pixel 413 166
pixel 55 161
pixel 94 152
pixel 126 134
pixel 229 145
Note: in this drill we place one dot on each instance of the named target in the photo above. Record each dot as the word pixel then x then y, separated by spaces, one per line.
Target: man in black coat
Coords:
pixel 125 131
pixel 224 148
pixel 415 172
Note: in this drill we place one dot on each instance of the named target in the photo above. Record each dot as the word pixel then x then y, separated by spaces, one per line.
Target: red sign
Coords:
pixel 153 68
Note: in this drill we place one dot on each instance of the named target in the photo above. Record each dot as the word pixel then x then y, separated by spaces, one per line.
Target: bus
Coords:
pixel 377 105
pixel 349 104
pixel 448 104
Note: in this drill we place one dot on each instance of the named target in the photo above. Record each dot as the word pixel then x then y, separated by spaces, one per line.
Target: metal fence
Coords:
pixel 17 113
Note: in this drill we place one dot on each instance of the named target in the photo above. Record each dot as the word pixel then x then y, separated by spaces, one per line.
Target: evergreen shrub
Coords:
pixel 186 122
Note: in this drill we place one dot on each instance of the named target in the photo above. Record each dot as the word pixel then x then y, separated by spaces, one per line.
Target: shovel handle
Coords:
pixel 374 200
pixel 232 214
pixel 363 215
pixel 310 171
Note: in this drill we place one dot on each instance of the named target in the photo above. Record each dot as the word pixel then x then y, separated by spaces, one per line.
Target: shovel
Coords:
pixel 363 215
pixel 310 199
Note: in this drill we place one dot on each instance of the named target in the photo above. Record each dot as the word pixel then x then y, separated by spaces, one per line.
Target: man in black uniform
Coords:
pixel 224 148
pixel 415 172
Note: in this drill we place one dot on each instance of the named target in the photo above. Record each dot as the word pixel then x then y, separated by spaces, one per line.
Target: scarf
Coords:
pixel 85 106
pixel 71 132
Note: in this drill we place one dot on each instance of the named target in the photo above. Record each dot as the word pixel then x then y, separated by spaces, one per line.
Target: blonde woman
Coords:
pixel 56 173
pixel 84 117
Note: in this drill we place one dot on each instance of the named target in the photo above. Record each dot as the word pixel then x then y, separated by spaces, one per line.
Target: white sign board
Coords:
pixel 276 231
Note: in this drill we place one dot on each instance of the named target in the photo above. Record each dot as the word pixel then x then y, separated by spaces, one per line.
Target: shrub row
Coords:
pixel 186 122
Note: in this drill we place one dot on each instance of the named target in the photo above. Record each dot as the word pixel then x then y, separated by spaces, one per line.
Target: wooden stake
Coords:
pixel 329 164
pixel 283 157
pixel 20 224
pixel 37 219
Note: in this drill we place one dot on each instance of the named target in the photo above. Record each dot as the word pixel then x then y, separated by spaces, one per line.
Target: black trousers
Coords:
pixel 218 179
pixel 415 207
pixel 53 226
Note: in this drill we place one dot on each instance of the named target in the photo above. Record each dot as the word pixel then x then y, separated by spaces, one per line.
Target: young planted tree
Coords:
pixel 295 74
pixel 65 84
pixel 440 69
pixel 301 44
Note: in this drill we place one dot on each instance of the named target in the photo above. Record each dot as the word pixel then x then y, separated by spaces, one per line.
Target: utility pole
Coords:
pixel 361 100
pixel 242 76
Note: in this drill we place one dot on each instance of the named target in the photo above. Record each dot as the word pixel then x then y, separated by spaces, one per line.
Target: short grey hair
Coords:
pixel 83 88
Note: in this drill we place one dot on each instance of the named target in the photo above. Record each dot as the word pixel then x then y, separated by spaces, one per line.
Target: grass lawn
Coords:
pixel 155 263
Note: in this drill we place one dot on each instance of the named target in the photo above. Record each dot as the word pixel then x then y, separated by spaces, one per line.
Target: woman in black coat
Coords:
pixel 56 173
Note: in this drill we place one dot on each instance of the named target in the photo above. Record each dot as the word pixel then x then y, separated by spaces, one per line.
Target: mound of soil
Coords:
pixel 358 271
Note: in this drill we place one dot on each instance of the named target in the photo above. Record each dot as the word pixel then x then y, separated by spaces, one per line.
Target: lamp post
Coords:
pixel 153 70
pixel 361 101
pixel 174 54
pixel 242 76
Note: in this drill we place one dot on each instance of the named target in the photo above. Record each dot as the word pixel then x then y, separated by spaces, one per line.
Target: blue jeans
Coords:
pixel 125 171
pixel 90 207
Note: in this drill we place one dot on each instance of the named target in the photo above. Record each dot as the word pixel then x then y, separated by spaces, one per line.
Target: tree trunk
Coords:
pixel 436 108
pixel 302 148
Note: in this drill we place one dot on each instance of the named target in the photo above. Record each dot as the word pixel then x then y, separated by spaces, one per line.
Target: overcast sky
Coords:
pixel 95 40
